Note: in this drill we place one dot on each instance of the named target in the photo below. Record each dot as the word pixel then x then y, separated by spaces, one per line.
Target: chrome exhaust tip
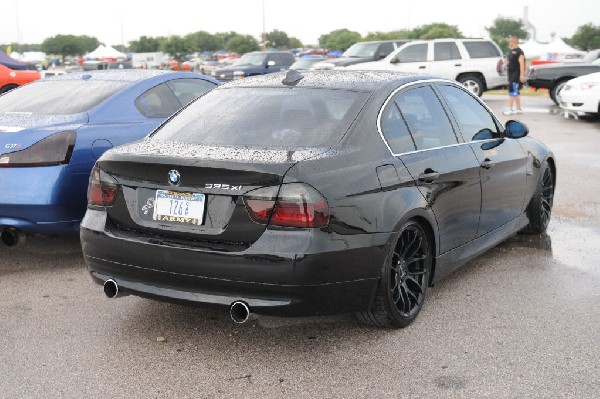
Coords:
pixel 12 237
pixel 111 288
pixel 240 312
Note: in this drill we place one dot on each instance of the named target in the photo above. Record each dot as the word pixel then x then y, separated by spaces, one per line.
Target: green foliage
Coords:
pixel 586 38
pixel 203 41
pixel 241 44
pixel 176 47
pixel 339 39
pixel 436 30
pixel 23 47
pixel 392 35
pixel 69 45
pixel 295 43
pixel 278 39
pixel 503 28
pixel 145 44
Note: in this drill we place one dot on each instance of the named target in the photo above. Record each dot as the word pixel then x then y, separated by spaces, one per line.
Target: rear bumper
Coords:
pixel 284 273
pixel 42 200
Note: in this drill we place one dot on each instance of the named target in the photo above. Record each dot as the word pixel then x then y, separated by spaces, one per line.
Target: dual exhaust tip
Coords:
pixel 239 310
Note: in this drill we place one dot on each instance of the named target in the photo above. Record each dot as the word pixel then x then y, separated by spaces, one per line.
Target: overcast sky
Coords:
pixel 304 19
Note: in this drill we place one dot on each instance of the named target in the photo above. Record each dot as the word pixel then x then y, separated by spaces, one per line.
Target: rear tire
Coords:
pixel 7 88
pixel 404 280
pixel 539 209
pixel 556 89
pixel 472 83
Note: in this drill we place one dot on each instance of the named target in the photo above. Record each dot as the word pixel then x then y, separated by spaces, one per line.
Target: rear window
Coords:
pixel 266 117
pixel 482 49
pixel 59 97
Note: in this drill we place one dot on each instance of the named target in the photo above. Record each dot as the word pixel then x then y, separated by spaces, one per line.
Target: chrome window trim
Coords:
pixel 419 82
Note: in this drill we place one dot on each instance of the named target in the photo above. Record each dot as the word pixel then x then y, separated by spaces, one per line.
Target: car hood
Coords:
pixel 343 61
pixel 17 121
pixel 371 66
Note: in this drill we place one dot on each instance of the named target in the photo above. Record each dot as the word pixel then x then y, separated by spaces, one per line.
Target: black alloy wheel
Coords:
pixel 404 280
pixel 540 207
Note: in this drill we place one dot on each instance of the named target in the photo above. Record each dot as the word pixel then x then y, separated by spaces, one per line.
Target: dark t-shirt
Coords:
pixel 513 61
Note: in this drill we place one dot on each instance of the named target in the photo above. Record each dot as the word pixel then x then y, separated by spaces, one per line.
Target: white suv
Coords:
pixel 476 63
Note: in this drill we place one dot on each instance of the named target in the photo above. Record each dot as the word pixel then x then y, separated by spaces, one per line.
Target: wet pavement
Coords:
pixel 521 321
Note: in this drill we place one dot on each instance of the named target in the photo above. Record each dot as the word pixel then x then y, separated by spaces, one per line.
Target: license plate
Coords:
pixel 178 207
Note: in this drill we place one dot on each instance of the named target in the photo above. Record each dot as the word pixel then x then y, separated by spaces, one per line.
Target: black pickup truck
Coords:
pixel 554 76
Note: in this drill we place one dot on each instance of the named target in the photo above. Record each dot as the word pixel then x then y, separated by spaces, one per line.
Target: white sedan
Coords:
pixel 582 94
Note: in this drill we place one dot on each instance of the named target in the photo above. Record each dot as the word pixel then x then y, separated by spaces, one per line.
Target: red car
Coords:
pixel 14 73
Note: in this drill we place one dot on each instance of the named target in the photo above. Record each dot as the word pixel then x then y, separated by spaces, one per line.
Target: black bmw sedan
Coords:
pixel 314 193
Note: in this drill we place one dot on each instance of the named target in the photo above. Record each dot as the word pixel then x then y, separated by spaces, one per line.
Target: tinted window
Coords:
pixel 482 49
pixel 187 90
pixel 158 102
pixel 445 51
pixel 265 117
pixel 287 59
pixel 275 58
pixel 385 49
pixel 426 119
pixel 395 131
pixel 474 120
pixel 59 97
pixel 414 53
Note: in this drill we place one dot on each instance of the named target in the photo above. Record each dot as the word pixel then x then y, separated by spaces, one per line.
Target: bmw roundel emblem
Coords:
pixel 174 177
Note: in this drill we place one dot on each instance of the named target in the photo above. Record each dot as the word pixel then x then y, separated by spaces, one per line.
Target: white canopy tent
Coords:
pixel 533 49
pixel 558 50
pixel 106 52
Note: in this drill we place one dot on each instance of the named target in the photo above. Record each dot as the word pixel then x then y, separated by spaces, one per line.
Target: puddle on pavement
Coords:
pixel 568 244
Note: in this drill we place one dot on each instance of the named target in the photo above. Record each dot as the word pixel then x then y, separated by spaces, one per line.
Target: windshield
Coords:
pixel 59 97
pixel 266 117
pixel 361 50
pixel 252 60
pixel 306 63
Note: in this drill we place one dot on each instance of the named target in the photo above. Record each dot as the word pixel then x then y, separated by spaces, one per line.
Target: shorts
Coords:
pixel 514 87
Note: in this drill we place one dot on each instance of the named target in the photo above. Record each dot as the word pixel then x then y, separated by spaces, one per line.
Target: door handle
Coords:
pixel 429 176
pixel 422 67
pixel 457 64
pixel 488 163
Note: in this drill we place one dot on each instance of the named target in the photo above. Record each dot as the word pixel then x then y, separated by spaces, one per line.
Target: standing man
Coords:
pixel 516 76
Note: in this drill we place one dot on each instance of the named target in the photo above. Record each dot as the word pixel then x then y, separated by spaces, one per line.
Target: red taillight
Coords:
pixel 101 190
pixel 296 205
pixel 500 66
pixel 52 150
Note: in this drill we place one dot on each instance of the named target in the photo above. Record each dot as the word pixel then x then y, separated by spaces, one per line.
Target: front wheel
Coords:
pixel 540 206
pixel 472 83
pixel 7 88
pixel 404 280
pixel 556 89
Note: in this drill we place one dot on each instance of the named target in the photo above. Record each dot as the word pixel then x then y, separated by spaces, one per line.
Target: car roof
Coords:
pixel 122 75
pixel 333 79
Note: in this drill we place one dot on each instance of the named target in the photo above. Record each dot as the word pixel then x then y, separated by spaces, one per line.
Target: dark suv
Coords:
pixel 362 52
pixel 255 63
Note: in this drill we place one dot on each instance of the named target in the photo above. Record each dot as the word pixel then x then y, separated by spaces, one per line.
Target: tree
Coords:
pixel 176 47
pixel 295 43
pixel 587 37
pixel 202 41
pixel 339 39
pixel 69 45
pixel 435 30
pixel 278 39
pixel 504 28
pixel 221 38
pixel 144 44
pixel 392 35
pixel 241 44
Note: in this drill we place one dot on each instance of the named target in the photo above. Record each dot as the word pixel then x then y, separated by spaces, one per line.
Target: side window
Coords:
pixel 474 120
pixel 426 118
pixel 385 49
pixel 275 58
pixel 395 131
pixel 414 53
pixel 187 90
pixel 445 51
pixel 287 59
pixel 158 102
pixel 481 49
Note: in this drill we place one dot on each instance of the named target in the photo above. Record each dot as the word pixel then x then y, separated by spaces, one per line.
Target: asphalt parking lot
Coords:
pixel 521 321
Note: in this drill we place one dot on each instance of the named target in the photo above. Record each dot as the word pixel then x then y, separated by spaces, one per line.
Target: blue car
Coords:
pixel 52 131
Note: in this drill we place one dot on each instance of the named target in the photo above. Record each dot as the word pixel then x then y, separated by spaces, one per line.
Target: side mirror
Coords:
pixel 271 63
pixel 380 56
pixel 394 60
pixel 515 129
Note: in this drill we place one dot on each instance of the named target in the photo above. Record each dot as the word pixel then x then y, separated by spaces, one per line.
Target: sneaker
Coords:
pixel 508 111
pixel 519 111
